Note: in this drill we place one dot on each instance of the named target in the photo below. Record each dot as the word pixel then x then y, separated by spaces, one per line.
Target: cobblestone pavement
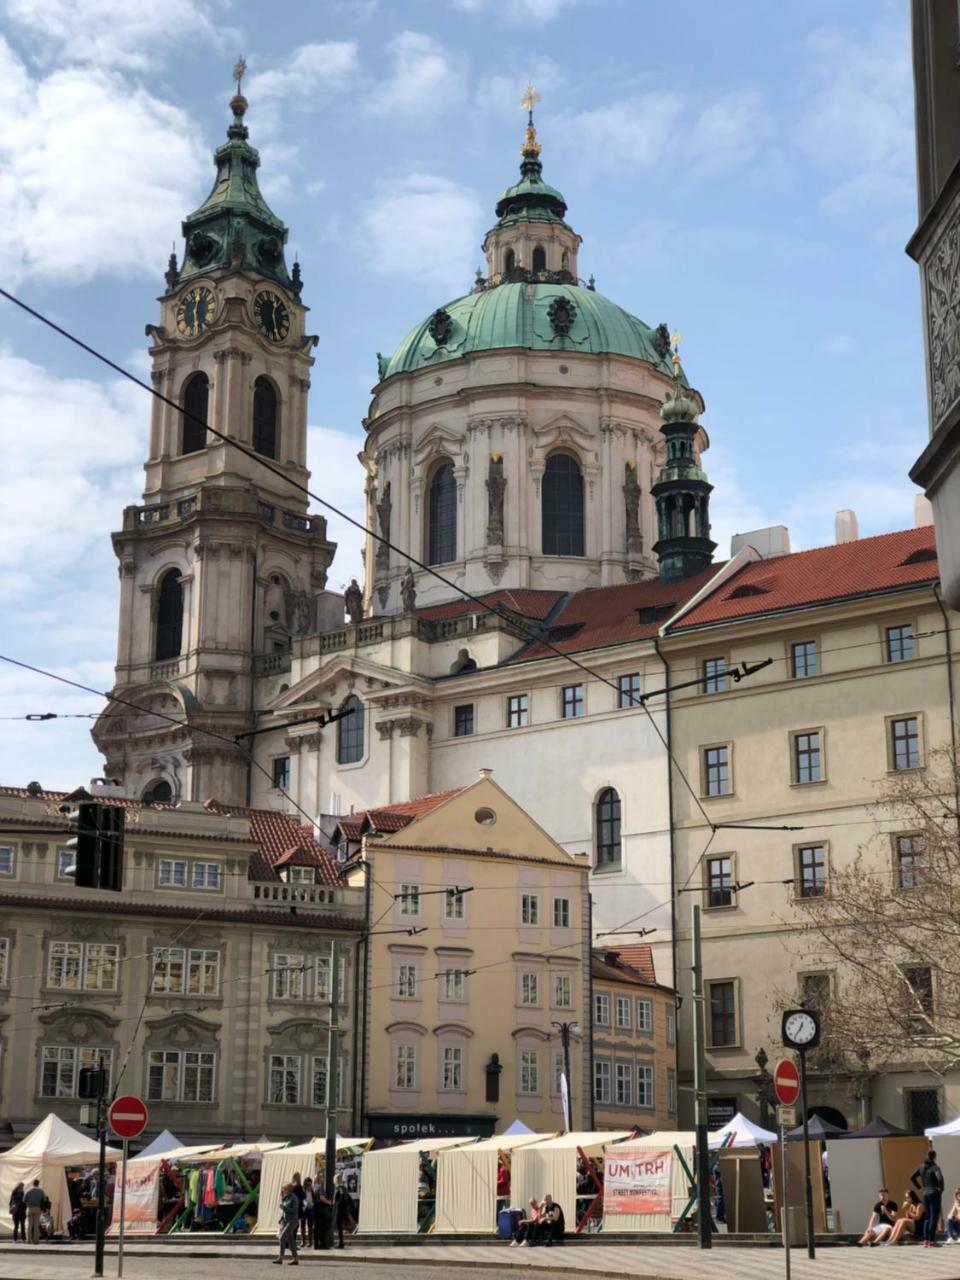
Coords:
pixel 485 1262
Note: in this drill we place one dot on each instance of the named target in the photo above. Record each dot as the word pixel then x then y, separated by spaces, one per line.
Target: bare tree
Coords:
pixel 889 925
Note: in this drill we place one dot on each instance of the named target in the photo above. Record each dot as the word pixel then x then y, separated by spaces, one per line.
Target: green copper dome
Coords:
pixel 525 315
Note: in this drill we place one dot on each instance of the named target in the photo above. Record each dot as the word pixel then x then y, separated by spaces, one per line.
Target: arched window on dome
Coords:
pixel 565 261
pixel 442 516
pixel 509 261
pixel 159 792
pixel 196 402
pixel 609 851
pixel 169 631
pixel 350 731
pixel 265 407
pixel 562 507
pixel 539 259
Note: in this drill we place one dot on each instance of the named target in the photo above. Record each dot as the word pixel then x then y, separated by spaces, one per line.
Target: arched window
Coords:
pixel 565 261
pixel 196 401
pixel 510 261
pixel 539 259
pixel 265 418
pixel 608 828
pixel 159 792
pixel 169 617
pixel 350 732
pixel 442 516
pixel 562 507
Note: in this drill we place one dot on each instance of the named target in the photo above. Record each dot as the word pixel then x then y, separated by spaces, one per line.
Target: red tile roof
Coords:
pixel 529 604
pixel 609 967
pixel 639 955
pixel 392 817
pixel 282 840
pixel 868 566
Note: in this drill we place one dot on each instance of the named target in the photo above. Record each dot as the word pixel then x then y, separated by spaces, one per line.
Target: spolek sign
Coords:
pixel 430 1126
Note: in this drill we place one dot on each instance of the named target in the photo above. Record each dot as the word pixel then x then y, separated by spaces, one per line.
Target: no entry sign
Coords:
pixel 127 1116
pixel 786 1082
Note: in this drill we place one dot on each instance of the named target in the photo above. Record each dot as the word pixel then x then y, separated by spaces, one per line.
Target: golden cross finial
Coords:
pixel 675 343
pixel 239 71
pixel 530 100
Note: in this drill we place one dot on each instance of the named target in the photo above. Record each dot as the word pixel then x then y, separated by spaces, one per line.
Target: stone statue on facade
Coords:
pixel 300 612
pixel 384 506
pixel 408 592
pixel 353 601
pixel 631 502
pixel 496 486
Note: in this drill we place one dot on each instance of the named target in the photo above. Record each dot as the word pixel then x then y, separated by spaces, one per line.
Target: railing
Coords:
pixel 165 670
pixel 285 895
pixel 224 502
pixel 270 664
pixel 153 515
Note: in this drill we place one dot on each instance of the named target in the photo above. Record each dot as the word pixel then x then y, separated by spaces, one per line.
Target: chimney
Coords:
pixel 774 541
pixel 922 511
pixel 845 526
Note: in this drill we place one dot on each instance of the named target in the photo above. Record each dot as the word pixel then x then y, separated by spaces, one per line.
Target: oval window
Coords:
pixel 486 817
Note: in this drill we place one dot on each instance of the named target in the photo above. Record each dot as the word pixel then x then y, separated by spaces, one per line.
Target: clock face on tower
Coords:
pixel 272 316
pixel 197 308
pixel 801 1029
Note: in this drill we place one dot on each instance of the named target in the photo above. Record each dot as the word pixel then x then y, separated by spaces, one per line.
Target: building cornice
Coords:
pixel 124 907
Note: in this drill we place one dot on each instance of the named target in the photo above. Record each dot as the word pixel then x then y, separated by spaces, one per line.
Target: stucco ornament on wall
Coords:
pixel 943 308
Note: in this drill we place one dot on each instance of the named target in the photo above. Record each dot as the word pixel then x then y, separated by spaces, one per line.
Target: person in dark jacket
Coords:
pixel 289 1221
pixel 551 1226
pixel 928 1179
pixel 18 1212
pixel 343 1214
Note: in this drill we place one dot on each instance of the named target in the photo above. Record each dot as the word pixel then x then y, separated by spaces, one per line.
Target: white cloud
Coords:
pixel 339 477
pixel 517 10
pixel 95 175
pixel 728 132
pixel 311 69
pixel 500 92
pixel 425 229
pixel 422 80
pixel 634 133
pixel 112 33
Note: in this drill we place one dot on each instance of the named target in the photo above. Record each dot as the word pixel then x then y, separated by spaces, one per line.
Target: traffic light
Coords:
pixel 97 846
pixel 88 1085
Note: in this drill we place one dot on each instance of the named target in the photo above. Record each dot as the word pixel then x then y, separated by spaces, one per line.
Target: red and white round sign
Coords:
pixel 127 1116
pixel 786 1082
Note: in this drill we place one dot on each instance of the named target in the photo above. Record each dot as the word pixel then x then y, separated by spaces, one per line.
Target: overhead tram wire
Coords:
pixel 534 633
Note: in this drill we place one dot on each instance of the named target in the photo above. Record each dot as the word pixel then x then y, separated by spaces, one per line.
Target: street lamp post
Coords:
pixel 566 1029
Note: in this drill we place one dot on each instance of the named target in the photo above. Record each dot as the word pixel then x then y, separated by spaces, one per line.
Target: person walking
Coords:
pixel 289 1221
pixel 928 1179
pixel 342 1207
pixel 18 1212
pixel 34 1200
pixel 306 1213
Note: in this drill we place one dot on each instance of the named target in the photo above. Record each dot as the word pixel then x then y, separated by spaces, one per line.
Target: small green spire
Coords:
pixel 235 228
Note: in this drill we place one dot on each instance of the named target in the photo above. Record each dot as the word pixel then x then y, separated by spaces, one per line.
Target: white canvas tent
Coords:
pixel 390 1182
pixel 950 1130
pixel 679 1183
pixel 142 1177
pixel 551 1166
pixel 467 1182
pixel 744 1134
pixel 46 1153
pixel 279 1167
pixel 161 1144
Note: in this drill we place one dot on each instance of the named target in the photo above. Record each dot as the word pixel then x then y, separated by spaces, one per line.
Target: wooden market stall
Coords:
pixel 399 1185
pixel 467 1181
pixel 222 1188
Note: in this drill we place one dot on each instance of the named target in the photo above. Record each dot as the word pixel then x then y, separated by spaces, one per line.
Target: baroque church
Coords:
pixel 531 443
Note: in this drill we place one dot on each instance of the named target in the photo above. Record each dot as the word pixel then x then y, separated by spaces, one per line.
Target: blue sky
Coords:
pixel 742 171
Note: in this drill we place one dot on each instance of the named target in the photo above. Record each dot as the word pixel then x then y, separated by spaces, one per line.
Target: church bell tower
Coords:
pixel 221 566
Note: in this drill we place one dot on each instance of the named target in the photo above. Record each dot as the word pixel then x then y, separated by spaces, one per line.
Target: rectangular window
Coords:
pixel 203 972
pixel 60 1067
pixel 671 1025
pixel 561 913
pixel 65 858
pixel 284 1079
pixel 671 1091
pixel 409 899
pixel 601 1008
pixel 900 643
pixel 198 1076
pixel 815 991
pixel 645 1085
pixel 453 904
pixel 288 975
pixel 562 991
pixel 723 1014
pixel 100 962
pixel 300 875
pixel 721 886
pixel 6 860
pixel 172 873
pixel 601 1080
pixel 644 1014
pixel 206 875
pixel 76 966
pixel 463 721
pixel 453 1068
pixel 180 1077
pixel 715 675
pixel 517 715
pixel 905 743
pixel 628 690
pixel 407 982
pixel 319 1078
pixel 64 965
pixel 529 1071
pixel 454 985
pixel 530 908
pixel 163 1075
pixel 405 1066
pixel 623 1084
pixel 281 773
pixel 807 756
pixel 322 979
pixel 571 701
pixel 910 851
pixel 558 1069
pixel 716 771
pixel 803 659
pixel 4 962
pixel 812 871
pixel 919 979
pixel 529 988
pixel 624 1021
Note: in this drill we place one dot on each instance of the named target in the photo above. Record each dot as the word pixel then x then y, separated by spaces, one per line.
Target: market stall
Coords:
pixel 649 1182
pixel 570 1168
pixel 743 1171
pixel 155 1190
pixel 307 1159
pixel 856 1163
pixel 467 1179
pixel 222 1188
pixel 399 1186
pixel 946 1139
pixel 65 1161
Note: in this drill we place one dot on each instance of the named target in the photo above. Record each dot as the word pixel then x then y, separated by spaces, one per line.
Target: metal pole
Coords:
pixel 704 1222
pixel 784 1202
pixel 102 1170
pixel 565 1037
pixel 811 1249
pixel 123 1208
pixel 330 1145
